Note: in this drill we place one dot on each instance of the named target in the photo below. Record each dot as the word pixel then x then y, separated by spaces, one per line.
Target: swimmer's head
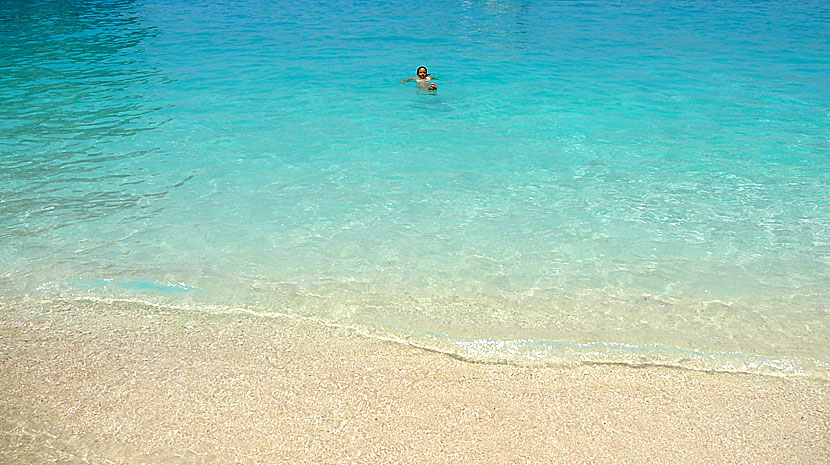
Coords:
pixel 422 72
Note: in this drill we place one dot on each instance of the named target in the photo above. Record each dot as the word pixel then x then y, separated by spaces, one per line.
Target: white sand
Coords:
pixel 126 383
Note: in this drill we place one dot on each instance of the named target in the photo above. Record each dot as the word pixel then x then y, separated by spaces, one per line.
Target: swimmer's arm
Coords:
pixel 431 77
pixel 408 79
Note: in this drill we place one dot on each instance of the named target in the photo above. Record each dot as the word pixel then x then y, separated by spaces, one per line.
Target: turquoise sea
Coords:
pixel 639 182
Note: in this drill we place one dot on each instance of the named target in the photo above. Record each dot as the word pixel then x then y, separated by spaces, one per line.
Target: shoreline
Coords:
pixel 127 383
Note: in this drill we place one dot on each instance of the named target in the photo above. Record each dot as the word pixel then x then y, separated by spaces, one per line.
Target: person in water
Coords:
pixel 422 80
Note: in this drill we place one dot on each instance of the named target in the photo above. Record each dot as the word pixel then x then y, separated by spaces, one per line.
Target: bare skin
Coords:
pixel 422 80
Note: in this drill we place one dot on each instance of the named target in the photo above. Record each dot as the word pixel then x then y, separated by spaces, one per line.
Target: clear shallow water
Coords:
pixel 593 181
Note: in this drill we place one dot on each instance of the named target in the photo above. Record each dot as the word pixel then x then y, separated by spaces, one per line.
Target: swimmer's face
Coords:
pixel 422 72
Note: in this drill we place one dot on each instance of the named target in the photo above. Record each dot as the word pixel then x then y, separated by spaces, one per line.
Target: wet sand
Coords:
pixel 128 383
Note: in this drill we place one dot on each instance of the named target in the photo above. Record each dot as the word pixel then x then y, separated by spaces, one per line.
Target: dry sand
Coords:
pixel 129 383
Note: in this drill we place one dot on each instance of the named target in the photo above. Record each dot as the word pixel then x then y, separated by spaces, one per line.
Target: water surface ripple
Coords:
pixel 632 182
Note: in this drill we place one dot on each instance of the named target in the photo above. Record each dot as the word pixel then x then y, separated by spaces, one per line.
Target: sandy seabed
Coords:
pixel 124 382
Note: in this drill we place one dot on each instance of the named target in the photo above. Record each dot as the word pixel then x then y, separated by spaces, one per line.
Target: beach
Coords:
pixel 230 233
pixel 94 381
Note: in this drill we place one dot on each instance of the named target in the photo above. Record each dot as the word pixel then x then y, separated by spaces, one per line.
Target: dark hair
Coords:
pixel 419 68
